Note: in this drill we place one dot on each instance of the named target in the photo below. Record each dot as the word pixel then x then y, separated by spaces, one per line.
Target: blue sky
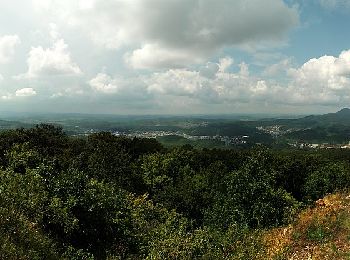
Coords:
pixel 322 31
pixel 174 56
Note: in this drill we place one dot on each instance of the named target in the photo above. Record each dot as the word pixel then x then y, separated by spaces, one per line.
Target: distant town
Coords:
pixel 227 140
pixel 303 145
pixel 277 131
pixel 236 140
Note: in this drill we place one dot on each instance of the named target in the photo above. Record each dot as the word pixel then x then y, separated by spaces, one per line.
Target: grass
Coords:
pixel 320 232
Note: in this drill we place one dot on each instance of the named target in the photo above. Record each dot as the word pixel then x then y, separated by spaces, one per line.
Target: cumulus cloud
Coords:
pixel 153 56
pixel 327 72
pixel 321 81
pixel 218 87
pixel 210 70
pixel 176 82
pixel 53 61
pixel 176 33
pixel 8 44
pixel 324 80
pixel 179 42
pixel 280 67
pixel 25 92
pixel 225 63
pixel 119 88
pixel 104 83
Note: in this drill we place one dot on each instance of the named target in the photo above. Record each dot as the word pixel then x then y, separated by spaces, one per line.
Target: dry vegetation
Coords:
pixel 321 232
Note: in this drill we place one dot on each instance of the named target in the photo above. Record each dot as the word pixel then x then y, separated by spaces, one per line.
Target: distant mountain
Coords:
pixel 344 111
pixel 331 127
pixel 342 117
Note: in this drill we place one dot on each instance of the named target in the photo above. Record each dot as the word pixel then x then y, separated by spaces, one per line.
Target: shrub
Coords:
pixel 331 177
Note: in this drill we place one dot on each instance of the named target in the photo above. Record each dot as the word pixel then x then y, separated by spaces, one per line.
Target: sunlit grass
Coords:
pixel 321 232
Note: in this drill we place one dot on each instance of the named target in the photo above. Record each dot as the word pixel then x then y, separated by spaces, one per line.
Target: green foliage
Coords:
pixel 251 197
pixel 23 239
pixel 318 233
pixel 293 171
pixel 174 180
pixel 22 203
pixel 154 224
pixel 26 193
pixel 107 158
pixel 88 214
pixel 21 157
pixel 235 243
pixel 329 178
pixel 108 197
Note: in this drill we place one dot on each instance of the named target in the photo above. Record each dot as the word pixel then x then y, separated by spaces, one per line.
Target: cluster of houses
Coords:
pixel 235 140
pixel 303 145
pixel 276 130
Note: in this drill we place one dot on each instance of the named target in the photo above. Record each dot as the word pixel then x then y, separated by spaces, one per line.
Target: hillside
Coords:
pixel 341 117
pixel 319 233
pixel 327 128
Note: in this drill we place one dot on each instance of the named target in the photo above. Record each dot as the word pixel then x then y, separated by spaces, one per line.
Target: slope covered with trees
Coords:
pixel 108 197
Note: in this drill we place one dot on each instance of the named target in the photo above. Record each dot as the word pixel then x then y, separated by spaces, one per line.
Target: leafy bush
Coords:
pixel 329 178
pixel 251 197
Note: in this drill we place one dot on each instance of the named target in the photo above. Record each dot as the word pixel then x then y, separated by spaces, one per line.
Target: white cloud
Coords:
pixel 72 91
pixel 53 61
pixel 6 97
pixel 176 82
pixel 322 81
pixel 57 95
pixel 120 88
pixel 104 83
pixel 244 69
pixel 1 77
pixel 225 63
pixel 8 44
pixel 220 87
pixel 25 92
pixel 54 34
pixel 210 70
pixel 280 67
pixel 324 73
pixel 153 56
pixel 173 33
pixel 180 42
pixel 211 84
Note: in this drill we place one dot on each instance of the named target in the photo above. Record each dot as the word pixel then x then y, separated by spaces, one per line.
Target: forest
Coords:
pixel 109 197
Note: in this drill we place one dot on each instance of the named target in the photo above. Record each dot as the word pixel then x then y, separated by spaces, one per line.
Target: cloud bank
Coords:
pixel 321 81
pixel 164 55
pixel 175 33
pixel 8 43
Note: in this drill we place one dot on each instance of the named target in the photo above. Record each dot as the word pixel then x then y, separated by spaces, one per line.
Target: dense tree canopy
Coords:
pixel 108 197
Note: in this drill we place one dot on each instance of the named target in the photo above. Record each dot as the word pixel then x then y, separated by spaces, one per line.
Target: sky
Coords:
pixel 174 56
